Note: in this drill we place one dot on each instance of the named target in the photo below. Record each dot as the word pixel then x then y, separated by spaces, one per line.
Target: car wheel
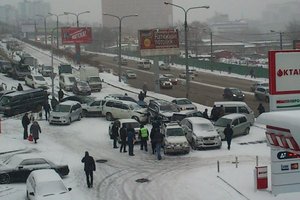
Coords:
pixel 136 118
pixel 109 116
pixel 4 178
pixel 84 113
pixel 247 131
pixel 193 144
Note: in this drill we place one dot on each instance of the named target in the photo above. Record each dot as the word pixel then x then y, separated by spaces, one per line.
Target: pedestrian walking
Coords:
pixel 19 88
pixel 228 132
pixel 221 111
pixel 144 135
pixel 145 88
pixel 89 168
pixel 47 109
pixel 158 138
pixel 205 114
pixel 141 96
pixel 123 136
pixel 115 134
pixel 261 108
pixel 153 143
pixel 60 95
pixel 214 113
pixel 54 103
pixel 35 131
pixel 25 123
pixel 130 139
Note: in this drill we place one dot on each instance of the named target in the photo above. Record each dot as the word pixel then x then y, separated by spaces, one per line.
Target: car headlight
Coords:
pixel 234 95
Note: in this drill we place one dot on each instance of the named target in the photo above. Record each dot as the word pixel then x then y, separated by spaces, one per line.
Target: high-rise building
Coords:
pixel 151 14
pixel 29 9
pixel 8 15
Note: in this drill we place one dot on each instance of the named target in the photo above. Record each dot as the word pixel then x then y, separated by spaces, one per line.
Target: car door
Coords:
pixel 245 111
pixel 96 107
pixel 73 113
pixel 235 127
pixel 126 111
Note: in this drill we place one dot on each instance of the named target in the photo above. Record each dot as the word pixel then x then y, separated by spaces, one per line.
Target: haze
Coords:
pixel 236 9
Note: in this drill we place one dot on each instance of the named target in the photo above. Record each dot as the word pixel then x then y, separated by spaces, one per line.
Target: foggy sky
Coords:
pixel 237 9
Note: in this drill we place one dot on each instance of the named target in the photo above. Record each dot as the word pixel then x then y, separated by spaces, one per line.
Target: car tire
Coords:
pixel 247 130
pixel 136 118
pixel 109 116
pixel 69 121
pixel 27 195
pixel 4 179
pixel 84 113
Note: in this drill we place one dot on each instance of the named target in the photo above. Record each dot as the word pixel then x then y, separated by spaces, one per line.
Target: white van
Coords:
pixel 144 64
pixel 237 107
pixel 66 81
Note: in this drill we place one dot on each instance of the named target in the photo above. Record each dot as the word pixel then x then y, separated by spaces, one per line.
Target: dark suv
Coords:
pixel 233 94
pixel 161 109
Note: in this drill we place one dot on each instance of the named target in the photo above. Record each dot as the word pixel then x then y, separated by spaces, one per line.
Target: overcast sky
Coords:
pixel 236 9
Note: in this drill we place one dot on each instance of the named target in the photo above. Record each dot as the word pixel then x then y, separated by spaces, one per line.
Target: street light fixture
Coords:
pixel 120 35
pixel 186 41
pixel 45 25
pixel 51 14
pixel 280 37
pixel 77 45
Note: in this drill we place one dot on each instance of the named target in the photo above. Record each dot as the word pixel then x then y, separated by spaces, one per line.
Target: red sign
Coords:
pixel 261 177
pixel 71 35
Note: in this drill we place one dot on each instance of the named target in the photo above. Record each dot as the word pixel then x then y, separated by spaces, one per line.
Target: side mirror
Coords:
pixel 31 193
pixel 69 189
pixel 20 167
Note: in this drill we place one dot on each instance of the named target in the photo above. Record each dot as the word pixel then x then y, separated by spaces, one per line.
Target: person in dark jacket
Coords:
pixel 25 123
pixel 123 136
pixel 60 95
pixel 153 143
pixel 141 96
pixel 130 139
pixel 47 109
pixel 228 132
pixel 159 139
pixel 144 135
pixel 261 108
pixel 89 167
pixel 35 130
pixel 115 134
pixel 145 89
pixel 19 88
pixel 214 113
pixel 54 103
pixel 205 115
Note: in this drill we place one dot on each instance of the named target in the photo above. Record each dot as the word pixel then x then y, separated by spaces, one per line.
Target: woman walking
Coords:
pixel 35 130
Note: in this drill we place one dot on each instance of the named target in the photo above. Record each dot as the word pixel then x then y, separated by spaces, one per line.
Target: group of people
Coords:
pixel 216 112
pixel 35 128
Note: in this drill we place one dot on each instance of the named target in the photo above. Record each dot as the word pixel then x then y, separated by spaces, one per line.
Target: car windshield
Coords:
pixel 175 132
pixel 205 127
pixel 62 108
pixel 168 108
pixel 164 79
pixel 72 79
pixel 183 102
pixel 95 79
pixel 4 100
pixel 49 188
pixel 23 68
pixel 223 122
pixel 133 124
pixel 135 106
pixel 39 78
pixel 82 84
pixel 130 72
pixel 235 90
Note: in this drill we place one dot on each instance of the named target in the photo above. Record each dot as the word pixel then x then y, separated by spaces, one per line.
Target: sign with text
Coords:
pixel 157 42
pixel 79 35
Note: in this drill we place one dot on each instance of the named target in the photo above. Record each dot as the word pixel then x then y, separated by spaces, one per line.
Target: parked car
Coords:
pixel 130 74
pixel 162 109
pixel 233 94
pixel 46 70
pixel 201 133
pixel 120 97
pixel 45 183
pixel 262 93
pixel 174 140
pixel 93 108
pixel 118 109
pixel 81 88
pixel 184 104
pixel 18 167
pixel 164 66
pixel 239 123
pixel 165 83
pixel 66 81
pixel 134 124
pixel 79 98
pixel 65 113
pixel 171 78
pixel 5 66
pixel 257 84
pixel 36 81
pixel 183 75
pixel 178 116
pixel 144 64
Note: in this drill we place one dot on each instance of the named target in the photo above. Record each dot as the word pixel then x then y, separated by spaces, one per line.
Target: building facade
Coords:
pixel 29 9
pixel 151 14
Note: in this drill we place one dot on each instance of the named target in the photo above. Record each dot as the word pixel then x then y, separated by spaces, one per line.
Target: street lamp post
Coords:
pixel 52 67
pixel 45 26
pixel 77 45
pixel 186 41
pixel 280 37
pixel 120 35
pixel 57 16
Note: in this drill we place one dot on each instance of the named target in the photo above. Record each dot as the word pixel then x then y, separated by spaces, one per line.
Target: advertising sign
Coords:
pixel 261 177
pixel 28 28
pixel 79 35
pixel 156 42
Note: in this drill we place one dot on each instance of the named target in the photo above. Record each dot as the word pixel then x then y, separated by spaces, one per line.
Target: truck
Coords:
pixel 64 68
pixel 91 76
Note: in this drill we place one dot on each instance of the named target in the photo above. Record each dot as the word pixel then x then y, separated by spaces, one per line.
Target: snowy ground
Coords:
pixel 189 177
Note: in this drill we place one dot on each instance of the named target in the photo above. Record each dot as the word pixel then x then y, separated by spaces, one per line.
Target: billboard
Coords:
pixel 79 35
pixel 157 42
pixel 28 28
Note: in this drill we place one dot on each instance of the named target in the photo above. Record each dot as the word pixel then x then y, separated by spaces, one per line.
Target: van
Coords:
pixel 237 107
pixel 144 64
pixel 66 81
pixel 65 113
pixel 64 68
pixel 22 101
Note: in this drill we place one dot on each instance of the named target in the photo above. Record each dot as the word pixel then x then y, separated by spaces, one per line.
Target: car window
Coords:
pixel 189 125
pixel 35 161
pixel 243 119
pixel 110 104
pixel 235 122
pixel 125 107
pixel 230 109
pixel 118 105
pixel 96 103
pixel 197 114
pixel 175 132
pixel 222 122
pixel 243 109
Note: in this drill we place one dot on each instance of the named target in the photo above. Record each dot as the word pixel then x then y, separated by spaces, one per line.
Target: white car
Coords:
pixel 201 133
pixel 46 184
pixel 93 108
pixel 130 74
pixel 36 81
pixel 174 140
pixel 66 112
pixel 184 104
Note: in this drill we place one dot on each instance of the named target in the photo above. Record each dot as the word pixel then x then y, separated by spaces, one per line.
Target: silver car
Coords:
pixel 65 113
pixel 184 104
pixel 262 93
